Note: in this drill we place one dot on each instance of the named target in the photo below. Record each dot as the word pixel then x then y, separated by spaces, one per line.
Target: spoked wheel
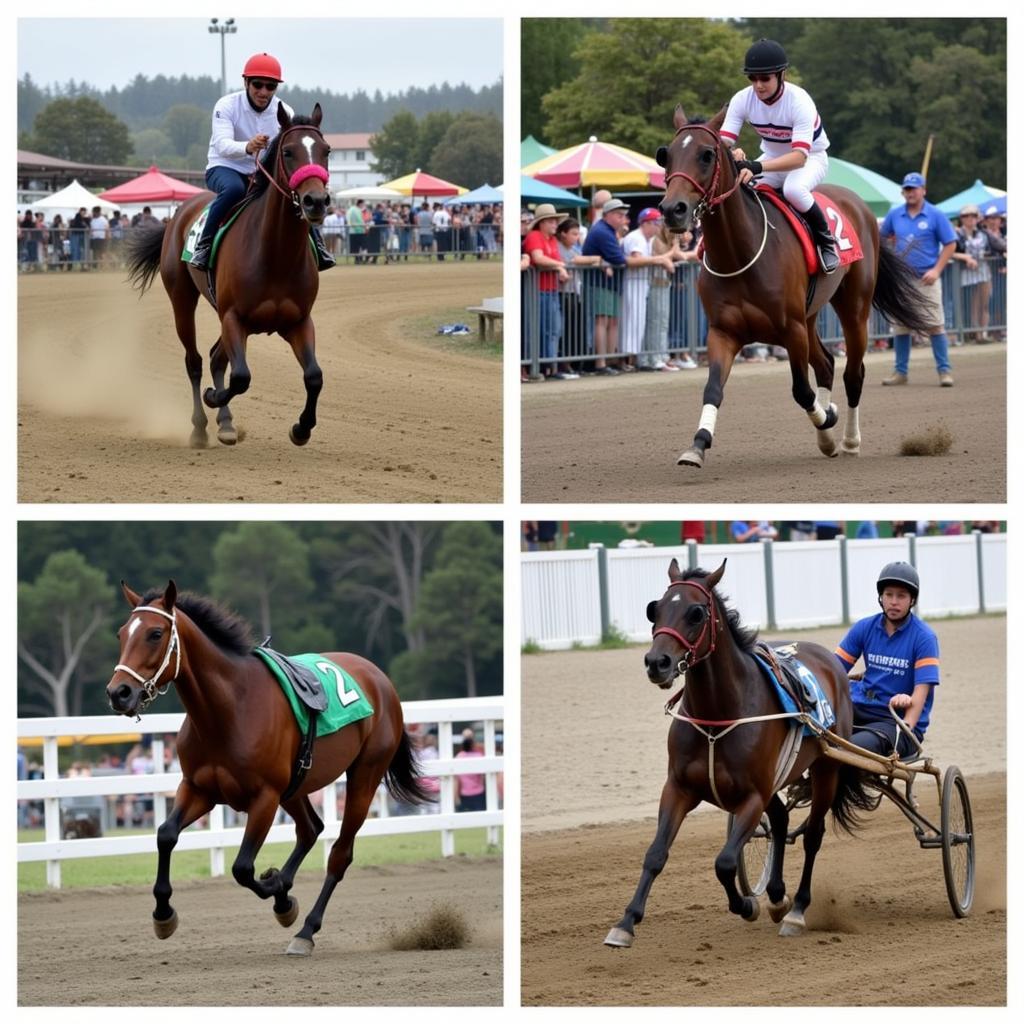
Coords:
pixel 957 842
pixel 756 858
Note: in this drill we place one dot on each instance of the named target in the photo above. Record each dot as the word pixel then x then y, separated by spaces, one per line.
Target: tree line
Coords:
pixel 882 86
pixel 422 600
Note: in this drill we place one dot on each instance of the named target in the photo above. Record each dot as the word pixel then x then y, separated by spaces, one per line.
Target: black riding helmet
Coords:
pixel 765 57
pixel 901 573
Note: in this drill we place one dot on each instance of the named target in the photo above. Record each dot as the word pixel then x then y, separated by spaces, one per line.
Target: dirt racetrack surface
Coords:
pixel 601 439
pixel 105 405
pixel 881 931
pixel 96 946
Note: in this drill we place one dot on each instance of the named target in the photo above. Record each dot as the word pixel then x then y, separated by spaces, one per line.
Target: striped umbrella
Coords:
pixel 597 164
pixel 421 184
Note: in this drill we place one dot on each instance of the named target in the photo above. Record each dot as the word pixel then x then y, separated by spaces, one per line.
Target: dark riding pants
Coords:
pixel 230 186
pixel 880 737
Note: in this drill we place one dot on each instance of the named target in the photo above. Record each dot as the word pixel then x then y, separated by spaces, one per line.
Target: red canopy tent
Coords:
pixel 152 187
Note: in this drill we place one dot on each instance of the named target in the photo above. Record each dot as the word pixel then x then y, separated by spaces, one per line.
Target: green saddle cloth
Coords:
pixel 346 702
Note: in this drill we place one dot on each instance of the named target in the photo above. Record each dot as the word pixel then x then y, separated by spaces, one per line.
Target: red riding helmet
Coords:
pixel 262 65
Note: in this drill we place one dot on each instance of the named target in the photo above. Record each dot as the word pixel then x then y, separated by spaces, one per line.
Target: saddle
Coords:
pixel 782 660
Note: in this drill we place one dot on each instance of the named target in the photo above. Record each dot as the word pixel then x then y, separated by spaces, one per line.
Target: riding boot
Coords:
pixel 823 239
pixel 324 260
pixel 201 257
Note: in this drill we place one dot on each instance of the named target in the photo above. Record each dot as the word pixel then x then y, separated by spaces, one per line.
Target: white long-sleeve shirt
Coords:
pixel 234 124
pixel 791 122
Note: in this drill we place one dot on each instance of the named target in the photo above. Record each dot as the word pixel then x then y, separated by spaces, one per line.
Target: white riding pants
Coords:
pixel 798 185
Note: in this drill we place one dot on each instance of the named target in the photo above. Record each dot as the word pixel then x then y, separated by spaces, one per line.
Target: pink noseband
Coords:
pixel 308 171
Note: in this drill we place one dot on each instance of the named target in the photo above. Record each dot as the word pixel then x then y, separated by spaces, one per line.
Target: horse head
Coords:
pixel 302 155
pixel 684 624
pixel 149 649
pixel 693 163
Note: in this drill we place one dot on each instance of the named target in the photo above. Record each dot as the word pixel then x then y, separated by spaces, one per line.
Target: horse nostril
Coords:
pixel 121 695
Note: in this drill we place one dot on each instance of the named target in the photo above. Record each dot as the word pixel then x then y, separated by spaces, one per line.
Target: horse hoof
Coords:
pixel 300 947
pixel 198 439
pixel 827 447
pixel 777 911
pixel 166 928
pixel 297 438
pixel 793 925
pixel 754 908
pixel 227 435
pixel 287 919
pixel 619 938
pixel 850 449
pixel 691 457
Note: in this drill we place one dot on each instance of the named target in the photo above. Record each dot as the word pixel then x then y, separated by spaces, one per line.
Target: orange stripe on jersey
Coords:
pixel 926 661
pixel 846 657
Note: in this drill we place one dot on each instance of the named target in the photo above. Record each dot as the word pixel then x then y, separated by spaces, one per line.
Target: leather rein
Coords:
pixel 310 170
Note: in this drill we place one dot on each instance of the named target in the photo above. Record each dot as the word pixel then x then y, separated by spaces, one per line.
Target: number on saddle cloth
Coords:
pixel 196 230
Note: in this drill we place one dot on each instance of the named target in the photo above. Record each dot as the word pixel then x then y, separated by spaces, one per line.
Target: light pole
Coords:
pixel 216 28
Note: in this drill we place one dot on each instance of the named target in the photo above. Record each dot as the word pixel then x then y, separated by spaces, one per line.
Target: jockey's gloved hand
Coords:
pixel 754 166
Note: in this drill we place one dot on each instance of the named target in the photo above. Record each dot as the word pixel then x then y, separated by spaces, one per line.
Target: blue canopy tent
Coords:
pixel 979 194
pixel 534 191
pixel 483 194
pixel 997 205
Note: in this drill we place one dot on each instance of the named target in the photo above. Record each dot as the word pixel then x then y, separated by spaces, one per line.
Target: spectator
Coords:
pixel 425 228
pixel 800 530
pixel 78 229
pixel 529 535
pixel 975 248
pixel 743 532
pixel 472 791
pixel 547 535
pixel 99 236
pixel 60 247
pixel 334 231
pixel 926 240
pixel 442 221
pixel 692 529
pixel 827 529
pixel 867 530
pixel 29 249
pixel 145 219
pixel 602 240
pixel 116 235
pixel 570 252
pixel 636 281
pixel 542 248
pixel 655 342
pixel 356 231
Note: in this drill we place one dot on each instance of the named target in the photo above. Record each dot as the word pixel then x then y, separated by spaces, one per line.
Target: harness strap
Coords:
pixel 151 687
pixel 304 761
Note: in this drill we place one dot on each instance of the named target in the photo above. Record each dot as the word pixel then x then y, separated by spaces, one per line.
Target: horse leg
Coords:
pixel 308 827
pixel 823 364
pixel 189 806
pixel 232 340
pixel 183 302
pixel 303 342
pixel 824 418
pixel 363 780
pixel 779 903
pixel 722 351
pixel 854 318
pixel 260 817
pixel 676 803
pixel 824 782
pixel 226 432
pixel 745 819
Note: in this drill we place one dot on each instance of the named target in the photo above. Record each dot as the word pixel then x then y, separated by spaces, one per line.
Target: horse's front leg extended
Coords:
pixel 260 817
pixel 745 820
pixel 303 342
pixel 722 350
pixel 308 827
pixel 676 803
pixel 189 806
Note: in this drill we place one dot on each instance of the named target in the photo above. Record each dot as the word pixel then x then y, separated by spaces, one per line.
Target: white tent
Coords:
pixel 68 201
pixel 371 192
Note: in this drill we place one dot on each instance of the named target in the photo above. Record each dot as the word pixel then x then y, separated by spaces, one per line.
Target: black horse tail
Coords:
pixel 896 294
pixel 852 796
pixel 403 777
pixel 143 247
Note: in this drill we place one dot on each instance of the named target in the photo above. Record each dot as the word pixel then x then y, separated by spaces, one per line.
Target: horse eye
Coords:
pixel 707 156
pixel 695 615
pixel 154 634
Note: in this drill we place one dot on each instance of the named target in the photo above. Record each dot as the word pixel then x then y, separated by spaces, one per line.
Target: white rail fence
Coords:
pixel 573 597
pixel 52 789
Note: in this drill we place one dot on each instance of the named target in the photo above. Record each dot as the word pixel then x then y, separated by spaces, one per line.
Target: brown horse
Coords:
pixel 239 743
pixel 726 746
pixel 754 284
pixel 266 277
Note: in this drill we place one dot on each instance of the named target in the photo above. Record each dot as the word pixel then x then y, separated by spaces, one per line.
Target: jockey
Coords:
pixel 901 659
pixel 243 123
pixel 793 141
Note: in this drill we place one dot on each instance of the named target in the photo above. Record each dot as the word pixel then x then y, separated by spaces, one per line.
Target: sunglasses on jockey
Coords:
pixel 260 84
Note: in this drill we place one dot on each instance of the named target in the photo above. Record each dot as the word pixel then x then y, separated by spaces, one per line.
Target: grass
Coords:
pixel 140 868
pixel 424 328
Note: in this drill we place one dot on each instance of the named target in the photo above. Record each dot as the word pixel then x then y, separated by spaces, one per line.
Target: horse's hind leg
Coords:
pixel 824 366
pixel 226 432
pixel 746 818
pixel 676 803
pixel 722 350
pixel 853 315
pixel 183 300
pixel 779 903
pixel 303 342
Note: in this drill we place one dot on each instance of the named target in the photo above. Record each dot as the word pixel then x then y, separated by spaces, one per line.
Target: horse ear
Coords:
pixel 170 595
pixel 674 572
pixel 283 118
pixel 652 610
pixel 130 596
pixel 712 581
pixel 715 124
pixel 318 115
pixel 679 117
pixel 661 156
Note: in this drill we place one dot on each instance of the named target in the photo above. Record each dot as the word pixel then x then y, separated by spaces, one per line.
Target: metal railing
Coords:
pixel 658 317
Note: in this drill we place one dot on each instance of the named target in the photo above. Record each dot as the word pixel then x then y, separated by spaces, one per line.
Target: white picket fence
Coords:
pixel 51 789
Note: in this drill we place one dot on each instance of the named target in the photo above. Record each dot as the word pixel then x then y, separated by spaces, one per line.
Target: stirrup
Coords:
pixel 203 253
pixel 828 257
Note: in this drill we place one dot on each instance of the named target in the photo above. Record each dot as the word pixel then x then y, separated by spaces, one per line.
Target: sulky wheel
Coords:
pixel 756 858
pixel 957 842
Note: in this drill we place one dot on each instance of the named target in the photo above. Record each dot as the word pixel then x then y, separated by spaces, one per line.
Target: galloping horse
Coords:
pixel 266 276
pixel 727 748
pixel 755 287
pixel 239 743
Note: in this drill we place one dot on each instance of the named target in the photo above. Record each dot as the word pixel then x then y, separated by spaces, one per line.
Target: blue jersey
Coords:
pixel 893 664
pixel 921 238
pixel 602 241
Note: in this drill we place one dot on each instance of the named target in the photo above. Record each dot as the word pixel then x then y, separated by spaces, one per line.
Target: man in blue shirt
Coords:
pixel 901 665
pixel 603 240
pixel 923 236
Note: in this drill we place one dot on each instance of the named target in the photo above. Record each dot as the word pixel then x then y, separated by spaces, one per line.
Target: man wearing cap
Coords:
pixel 923 236
pixel 635 287
pixel 603 240
pixel 541 246
pixel 244 123
pixel 975 247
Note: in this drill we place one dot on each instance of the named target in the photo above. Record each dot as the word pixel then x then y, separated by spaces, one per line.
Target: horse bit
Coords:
pixel 310 170
pixel 150 687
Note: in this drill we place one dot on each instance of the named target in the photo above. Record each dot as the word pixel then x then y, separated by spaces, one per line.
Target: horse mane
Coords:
pixel 269 161
pixel 227 629
pixel 743 636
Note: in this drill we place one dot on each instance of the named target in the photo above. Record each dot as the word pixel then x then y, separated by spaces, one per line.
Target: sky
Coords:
pixel 340 55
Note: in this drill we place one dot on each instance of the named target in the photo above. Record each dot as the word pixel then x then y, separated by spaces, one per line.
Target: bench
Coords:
pixel 488 315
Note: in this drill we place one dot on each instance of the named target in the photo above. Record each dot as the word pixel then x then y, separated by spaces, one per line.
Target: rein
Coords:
pixel 151 687
pixel 310 170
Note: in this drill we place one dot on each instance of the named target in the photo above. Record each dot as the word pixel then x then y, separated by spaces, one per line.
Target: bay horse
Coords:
pixel 755 287
pixel 726 747
pixel 239 742
pixel 265 277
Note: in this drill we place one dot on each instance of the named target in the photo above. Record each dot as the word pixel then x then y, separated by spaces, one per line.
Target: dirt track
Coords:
pixel 104 403
pixel 96 947
pixel 617 439
pixel 881 930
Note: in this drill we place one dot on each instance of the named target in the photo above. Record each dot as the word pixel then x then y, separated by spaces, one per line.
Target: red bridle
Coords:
pixel 710 191
pixel 710 626
pixel 302 173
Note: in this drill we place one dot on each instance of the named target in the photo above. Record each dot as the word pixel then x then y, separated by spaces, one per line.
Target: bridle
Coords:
pixel 151 687
pixel 310 170
pixel 709 629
